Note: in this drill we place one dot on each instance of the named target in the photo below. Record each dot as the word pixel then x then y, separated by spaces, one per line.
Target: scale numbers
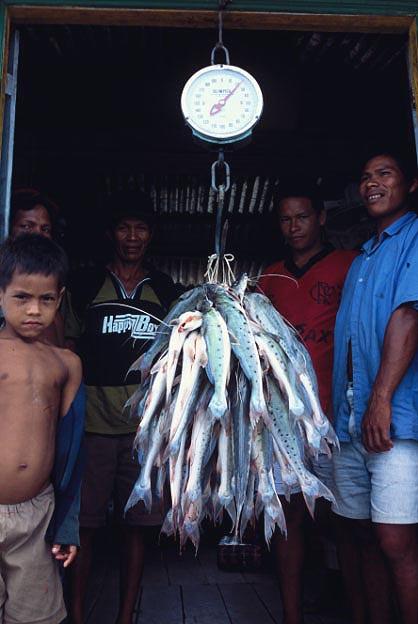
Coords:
pixel 222 102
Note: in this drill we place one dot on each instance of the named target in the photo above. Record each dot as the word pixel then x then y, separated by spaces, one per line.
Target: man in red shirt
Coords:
pixel 309 301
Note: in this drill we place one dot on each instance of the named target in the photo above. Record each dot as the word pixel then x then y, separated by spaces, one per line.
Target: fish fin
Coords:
pixel 235 341
pixel 331 437
pixel 158 365
pixel 217 508
pixel 255 413
pixel 140 493
pixel 313 488
pixel 168 524
pixel 137 365
pixel 209 373
pixel 325 449
pixel 172 448
pixel 141 437
pixel 164 424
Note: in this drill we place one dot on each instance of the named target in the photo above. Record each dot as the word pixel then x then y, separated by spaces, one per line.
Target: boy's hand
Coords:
pixel 65 553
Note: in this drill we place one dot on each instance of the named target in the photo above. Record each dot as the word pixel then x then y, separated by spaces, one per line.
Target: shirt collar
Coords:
pixel 393 229
pixel 299 272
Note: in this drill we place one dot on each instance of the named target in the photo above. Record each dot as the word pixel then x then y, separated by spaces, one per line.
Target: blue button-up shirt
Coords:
pixel 381 279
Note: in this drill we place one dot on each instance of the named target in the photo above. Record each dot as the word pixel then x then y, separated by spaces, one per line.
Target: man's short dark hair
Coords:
pixel 32 254
pixel 297 189
pixel 133 204
pixel 27 199
pixel 406 161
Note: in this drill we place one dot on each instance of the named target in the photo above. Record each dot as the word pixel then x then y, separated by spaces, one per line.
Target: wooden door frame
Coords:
pixel 14 14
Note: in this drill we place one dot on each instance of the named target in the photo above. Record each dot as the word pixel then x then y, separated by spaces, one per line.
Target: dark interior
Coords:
pixel 98 109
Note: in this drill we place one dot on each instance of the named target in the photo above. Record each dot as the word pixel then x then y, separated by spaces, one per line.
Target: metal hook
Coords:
pixel 219 46
pixel 216 166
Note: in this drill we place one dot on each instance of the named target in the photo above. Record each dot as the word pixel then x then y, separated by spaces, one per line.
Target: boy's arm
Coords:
pixel 64 550
pixel 67 471
pixel 73 381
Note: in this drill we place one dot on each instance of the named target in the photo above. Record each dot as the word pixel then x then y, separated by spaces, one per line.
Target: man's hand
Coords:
pixel 65 553
pixel 376 425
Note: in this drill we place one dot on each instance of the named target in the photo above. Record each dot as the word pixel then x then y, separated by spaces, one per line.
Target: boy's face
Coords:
pixel 30 303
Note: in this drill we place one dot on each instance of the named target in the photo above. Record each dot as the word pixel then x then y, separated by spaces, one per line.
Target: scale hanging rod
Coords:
pixel 220 184
pixel 222 4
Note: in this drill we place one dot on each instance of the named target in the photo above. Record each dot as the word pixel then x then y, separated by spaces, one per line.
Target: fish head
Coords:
pixel 189 321
pixel 205 305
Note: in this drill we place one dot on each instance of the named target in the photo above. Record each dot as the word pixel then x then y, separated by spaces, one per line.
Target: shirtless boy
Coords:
pixel 39 384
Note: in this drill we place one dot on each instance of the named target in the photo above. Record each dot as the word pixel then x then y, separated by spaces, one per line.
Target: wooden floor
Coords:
pixel 189 589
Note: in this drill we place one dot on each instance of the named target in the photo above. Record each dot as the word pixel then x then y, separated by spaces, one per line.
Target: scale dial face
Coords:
pixel 222 102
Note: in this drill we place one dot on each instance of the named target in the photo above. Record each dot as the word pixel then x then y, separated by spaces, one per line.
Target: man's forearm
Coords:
pixel 399 347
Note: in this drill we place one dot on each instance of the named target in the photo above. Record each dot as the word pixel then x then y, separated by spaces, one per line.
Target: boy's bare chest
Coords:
pixel 30 371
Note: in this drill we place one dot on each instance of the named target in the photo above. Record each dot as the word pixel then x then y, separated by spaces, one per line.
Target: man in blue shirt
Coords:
pixel 375 395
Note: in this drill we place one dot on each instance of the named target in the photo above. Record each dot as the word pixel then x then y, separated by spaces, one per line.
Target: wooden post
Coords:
pixel 413 76
pixel 4 39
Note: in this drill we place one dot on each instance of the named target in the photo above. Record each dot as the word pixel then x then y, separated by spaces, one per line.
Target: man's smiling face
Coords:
pixel 384 189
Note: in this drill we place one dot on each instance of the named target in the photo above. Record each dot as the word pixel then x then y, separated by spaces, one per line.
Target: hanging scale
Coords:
pixel 221 104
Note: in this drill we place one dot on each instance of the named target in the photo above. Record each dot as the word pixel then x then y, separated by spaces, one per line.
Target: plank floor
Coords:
pixel 189 589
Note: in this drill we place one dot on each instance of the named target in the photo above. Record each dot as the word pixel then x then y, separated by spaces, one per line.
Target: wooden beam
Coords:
pixel 250 20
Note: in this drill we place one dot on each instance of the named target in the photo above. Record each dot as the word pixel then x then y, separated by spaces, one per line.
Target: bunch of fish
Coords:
pixel 227 391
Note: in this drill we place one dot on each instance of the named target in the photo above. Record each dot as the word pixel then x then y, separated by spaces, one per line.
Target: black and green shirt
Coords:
pixel 113 328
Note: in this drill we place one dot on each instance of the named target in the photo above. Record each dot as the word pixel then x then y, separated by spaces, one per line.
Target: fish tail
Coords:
pixel 217 508
pixel 168 524
pixel 313 488
pixel 217 408
pixel 139 493
pixel 191 530
pixel 258 409
pixel 331 437
pixel 273 516
pixel 227 502
pixel 296 406
pixel 247 516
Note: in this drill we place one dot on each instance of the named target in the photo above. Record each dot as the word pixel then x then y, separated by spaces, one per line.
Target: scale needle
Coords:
pixel 216 108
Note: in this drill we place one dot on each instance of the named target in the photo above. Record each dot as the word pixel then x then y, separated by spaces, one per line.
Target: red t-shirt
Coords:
pixel 312 305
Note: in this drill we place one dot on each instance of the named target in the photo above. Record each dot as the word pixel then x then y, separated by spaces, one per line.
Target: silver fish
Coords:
pixel 218 349
pixel 267 498
pixel 225 468
pixel 187 301
pixel 287 442
pixel 189 388
pixel 242 439
pixel 187 322
pixel 240 286
pixel 142 488
pixel 245 350
pixel 153 401
pixel 275 358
